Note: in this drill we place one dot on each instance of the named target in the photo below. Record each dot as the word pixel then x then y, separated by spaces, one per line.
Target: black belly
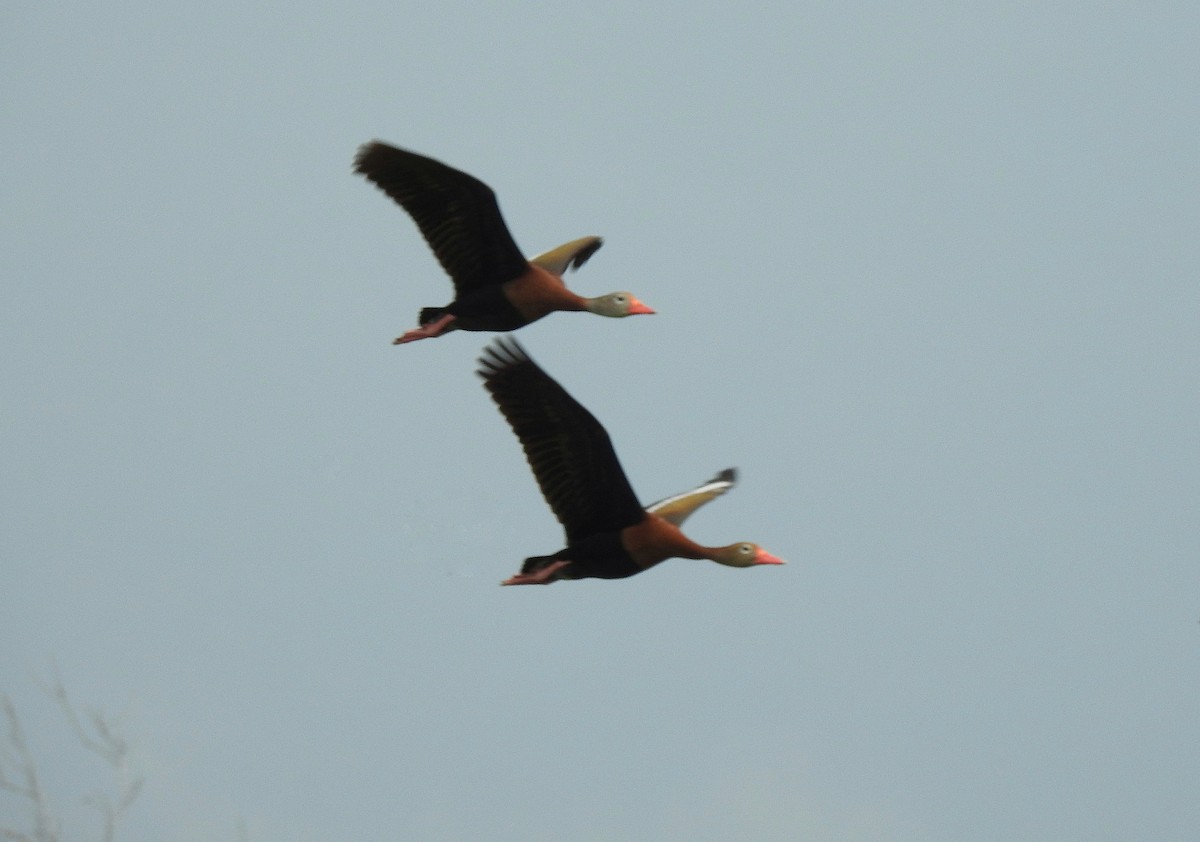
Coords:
pixel 486 308
pixel 595 557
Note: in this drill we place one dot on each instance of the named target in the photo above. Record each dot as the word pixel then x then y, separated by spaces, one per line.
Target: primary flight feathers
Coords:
pixel 568 450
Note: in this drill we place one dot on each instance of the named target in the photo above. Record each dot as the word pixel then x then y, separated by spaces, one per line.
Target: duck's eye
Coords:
pixel 621 299
pixel 746 549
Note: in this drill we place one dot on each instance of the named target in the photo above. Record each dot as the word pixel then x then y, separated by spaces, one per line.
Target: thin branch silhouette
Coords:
pixel 99 734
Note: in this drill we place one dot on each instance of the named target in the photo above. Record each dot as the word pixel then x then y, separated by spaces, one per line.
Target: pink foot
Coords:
pixel 545 576
pixel 436 328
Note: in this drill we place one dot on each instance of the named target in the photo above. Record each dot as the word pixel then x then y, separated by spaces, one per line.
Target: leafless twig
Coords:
pixel 101 735
pixel 19 776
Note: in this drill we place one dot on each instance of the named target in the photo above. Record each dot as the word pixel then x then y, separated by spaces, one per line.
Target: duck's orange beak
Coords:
pixel 637 308
pixel 764 557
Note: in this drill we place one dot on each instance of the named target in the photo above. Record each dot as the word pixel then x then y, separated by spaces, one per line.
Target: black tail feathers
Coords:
pixel 535 563
pixel 430 314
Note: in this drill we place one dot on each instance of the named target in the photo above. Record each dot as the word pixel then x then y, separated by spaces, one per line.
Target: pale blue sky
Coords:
pixel 927 276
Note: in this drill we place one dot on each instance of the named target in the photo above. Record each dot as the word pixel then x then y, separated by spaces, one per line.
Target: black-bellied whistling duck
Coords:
pixel 609 534
pixel 495 287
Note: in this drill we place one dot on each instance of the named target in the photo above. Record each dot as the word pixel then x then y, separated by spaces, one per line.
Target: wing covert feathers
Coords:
pixel 679 507
pixel 568 450
pixel 570 255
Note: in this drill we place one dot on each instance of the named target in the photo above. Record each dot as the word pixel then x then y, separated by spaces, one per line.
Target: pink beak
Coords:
pixel 764 557
pixel 637 308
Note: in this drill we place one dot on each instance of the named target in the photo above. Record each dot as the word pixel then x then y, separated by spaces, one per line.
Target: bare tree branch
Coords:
pixel 28 787
pixel 19 775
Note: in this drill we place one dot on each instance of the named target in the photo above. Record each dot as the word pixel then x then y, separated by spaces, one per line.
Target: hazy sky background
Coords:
pixel 928 277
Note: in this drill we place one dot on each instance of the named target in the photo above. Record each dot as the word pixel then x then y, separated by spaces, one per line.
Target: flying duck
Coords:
pixel 495 287
pixel 609 534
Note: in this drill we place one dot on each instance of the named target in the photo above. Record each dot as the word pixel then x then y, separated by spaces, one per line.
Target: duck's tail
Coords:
pixel 431 314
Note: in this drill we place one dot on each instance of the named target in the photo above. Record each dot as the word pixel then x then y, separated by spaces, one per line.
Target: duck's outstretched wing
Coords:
pixel 678 508
pixel 570 255
pixel 457 213
pixel 568 449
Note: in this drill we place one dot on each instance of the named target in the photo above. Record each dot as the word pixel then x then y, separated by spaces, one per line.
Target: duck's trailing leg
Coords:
pixel 545 576
pixel 435 328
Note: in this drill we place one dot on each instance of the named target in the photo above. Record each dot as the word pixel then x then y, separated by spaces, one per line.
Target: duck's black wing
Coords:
pixel 457 214
pixel 568 449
